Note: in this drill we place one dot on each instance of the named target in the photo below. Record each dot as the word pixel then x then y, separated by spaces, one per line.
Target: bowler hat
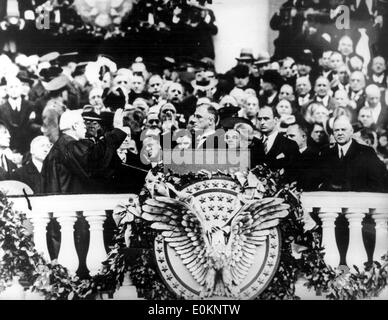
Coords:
pixel 240 71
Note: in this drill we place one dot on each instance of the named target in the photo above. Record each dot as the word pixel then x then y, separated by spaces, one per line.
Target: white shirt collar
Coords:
pixel 38 164
pixel 302 149
pixel 16 104
pixel 202 138
pixel 345 148
pixel 324 100
pixel 378 79
pixel 271 140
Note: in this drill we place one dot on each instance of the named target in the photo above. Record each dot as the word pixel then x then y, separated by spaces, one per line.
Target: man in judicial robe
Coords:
pixel 70 165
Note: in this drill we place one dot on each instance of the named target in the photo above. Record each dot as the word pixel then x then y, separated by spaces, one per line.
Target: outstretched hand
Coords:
pixel 118 121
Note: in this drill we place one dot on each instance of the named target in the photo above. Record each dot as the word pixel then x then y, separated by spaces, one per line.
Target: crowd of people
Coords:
pixel 69 126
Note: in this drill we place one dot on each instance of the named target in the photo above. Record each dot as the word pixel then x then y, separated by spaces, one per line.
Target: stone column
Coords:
pixel 328 218
pixel 96 253
pixel 356 255
pixel 67 253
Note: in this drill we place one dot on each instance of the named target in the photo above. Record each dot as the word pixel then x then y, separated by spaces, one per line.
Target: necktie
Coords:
pixel 265 143
pixel 342 153
pixel 4 163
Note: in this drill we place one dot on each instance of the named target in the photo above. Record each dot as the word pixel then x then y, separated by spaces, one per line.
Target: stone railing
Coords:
pixel 325 207
pixel 356 208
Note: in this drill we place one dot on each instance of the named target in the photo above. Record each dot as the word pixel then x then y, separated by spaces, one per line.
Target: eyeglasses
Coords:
pixel 155 121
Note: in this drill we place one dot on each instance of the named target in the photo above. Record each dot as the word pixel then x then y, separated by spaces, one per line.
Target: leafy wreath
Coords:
pixel 301 255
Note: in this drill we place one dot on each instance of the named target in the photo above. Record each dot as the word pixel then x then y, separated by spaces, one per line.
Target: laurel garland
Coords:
pixel 19 258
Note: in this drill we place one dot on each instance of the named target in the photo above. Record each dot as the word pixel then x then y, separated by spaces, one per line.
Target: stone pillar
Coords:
pixel 40 220
pixel 328 218
pixel 67 253
pixel 356 255
pixel 96 253
pixel 381 247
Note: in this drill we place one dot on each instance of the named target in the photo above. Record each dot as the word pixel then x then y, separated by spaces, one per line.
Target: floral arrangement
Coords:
pixel 301 253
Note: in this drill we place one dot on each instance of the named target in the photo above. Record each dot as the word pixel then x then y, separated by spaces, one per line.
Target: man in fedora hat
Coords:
pixel 246 57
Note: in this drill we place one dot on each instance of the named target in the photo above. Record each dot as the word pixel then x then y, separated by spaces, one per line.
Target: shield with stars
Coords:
pixel 218 200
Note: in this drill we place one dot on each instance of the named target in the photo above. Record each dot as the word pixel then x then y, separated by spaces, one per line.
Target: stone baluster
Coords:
pixel 381 247
pixel 40 220
pixel 328 218
pixel 67 253
pixel 96 253
pixel 356 254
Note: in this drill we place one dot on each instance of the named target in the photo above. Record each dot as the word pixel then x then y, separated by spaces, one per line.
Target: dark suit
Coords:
pixel 382 121
pixel 71 165
pixel 360 99
pixel 282 155
pixel 29 175
pixel 306 168
pixel 360 170
pixel 6 174
pixel 18 124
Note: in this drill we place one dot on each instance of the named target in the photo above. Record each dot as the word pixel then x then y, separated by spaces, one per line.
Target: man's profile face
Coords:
pixel 5 137
pixel 342 131
pixel 41 149
pixel 267 121
pixel 80 129
pixel 202 118
pixel 152 149
pixel 296 135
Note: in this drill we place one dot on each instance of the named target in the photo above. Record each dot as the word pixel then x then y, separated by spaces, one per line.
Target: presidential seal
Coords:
pixel 215 242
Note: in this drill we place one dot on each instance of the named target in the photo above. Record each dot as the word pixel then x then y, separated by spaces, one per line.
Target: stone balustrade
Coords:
pixel 324 207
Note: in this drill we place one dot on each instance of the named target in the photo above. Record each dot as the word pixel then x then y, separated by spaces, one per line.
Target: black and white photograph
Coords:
pixel 193 150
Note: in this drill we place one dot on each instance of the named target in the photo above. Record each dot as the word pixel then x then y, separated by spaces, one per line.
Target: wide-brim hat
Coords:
pixel 246 54
pixel 48 74
pixel 204 85
pixel 57 83
pixel 263 58
pixel 91 116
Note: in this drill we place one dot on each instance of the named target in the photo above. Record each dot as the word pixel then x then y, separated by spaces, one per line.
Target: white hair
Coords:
pixel 36 141
pixel 69 119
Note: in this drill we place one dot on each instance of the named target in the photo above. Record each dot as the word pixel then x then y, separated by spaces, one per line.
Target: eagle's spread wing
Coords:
pixel 181 228
pixel 249 229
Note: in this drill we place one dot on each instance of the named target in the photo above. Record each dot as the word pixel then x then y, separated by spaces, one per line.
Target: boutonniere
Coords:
pixel 280 156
